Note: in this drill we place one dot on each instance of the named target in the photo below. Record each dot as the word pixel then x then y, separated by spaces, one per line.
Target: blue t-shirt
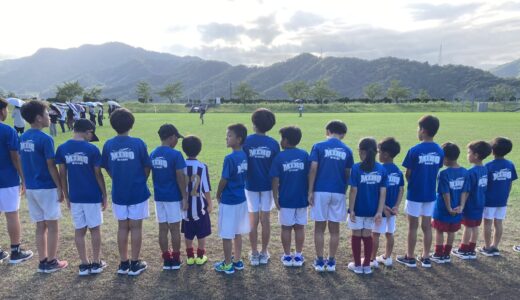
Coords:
pixel 165 163
pixel 8 142
pixel 424 160
pixel 368 185
pixel 291 166
pixel 501 172
pixel 125 158
pixel 452 181
pixel 36 147
pixel 333 158
pixel 80 158
pixel 260 151
pixel 395 183
pixel 477 181
pixel 234 171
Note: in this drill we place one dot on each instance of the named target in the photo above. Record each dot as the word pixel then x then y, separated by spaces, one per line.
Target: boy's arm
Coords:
pixel 181 182
pixel 64 183
pixel 101 182
pixel 274 184
pixel 381 204
pixel 408 174
pixel 347 175
pixel 395 209
pixel 312 177
pixel 15 158
pixel 147 172
pixel 463 198
pixel 447 202
pixel 221 186
pixel 55 177
pixel 210 201
pixel 352 203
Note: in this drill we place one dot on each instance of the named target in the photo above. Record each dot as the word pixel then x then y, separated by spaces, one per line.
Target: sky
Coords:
pixel 482 34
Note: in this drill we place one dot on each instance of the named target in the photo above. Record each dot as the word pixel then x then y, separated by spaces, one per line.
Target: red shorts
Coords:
pixel 445 227
pixel 471 223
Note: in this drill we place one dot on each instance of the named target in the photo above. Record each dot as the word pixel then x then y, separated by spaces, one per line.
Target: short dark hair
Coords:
pixel 336 127
pixel 3 103
pixel 481 148
pixel 168 130
pixel 501 146
pixel 191 145
pixel 391 146
pixel 451 151
pixel 122 120
pixel 32 109
pixel 263 119
pixel 430 124
pixel 240 131
pixel 292 134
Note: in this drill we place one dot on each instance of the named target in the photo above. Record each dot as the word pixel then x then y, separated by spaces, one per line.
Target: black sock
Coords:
pixel 15 248
pixel 134 262
pixel 320 257
pixel 43 261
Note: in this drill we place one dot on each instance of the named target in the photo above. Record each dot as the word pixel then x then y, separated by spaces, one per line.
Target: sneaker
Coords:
pixel 3 255
pixel 516 248
pixel 176 264
pixel 374 264
pixel 298 260
pixel 124 267
pixel 254 259
pixel 222 267
pixel 367 269
pixel 238 265
pixel 356 269
pixel 409 262
pixel 84 269
pixel 167 264
pixel 42 265
pixel 486 251
pixel 460 254
pixel 319 265
pixel 387 261
pixel 425 262
pixel 472 255
pixel 447 259
pixel 55 265
pixel 190 261
pixel 330 265
pixel 138 267
pixel 20 256
pixel 201 260
pixel 495 250
pixel 264 258
pixel 287 261
pixel 98 267
pixel 437 258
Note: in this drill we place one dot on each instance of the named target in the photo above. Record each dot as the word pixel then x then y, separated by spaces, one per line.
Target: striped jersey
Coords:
pixel 197 179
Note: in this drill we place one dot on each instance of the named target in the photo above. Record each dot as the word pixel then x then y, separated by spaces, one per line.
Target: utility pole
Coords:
pixel 230 90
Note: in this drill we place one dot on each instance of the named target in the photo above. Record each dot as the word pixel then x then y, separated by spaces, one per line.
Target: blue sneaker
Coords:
pixel 330 265
pixel 238 265
pixel 319 265
pixel 287 261
pixel 298 260
pixel 222 267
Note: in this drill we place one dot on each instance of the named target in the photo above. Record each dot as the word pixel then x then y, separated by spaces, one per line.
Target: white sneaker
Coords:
pixel 356 269
pixel 387 261
pixel 254 259
pixel 367 270
pixel 287 261
pixel 264 258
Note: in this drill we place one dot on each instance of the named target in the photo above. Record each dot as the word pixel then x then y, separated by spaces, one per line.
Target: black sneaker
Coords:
pixel 472 255
pixel 20 256
pixel 447 259
pixel 176 264
pixel 460 254
pixel 137 267
pixel 425 262
pixel 124 267
pixel 3 255
pixel 409 262
pixel 437 259
pixel 55 265
pixel 486 251
pixel 97 267
pixel 42 265
pixel 495 251
pixel 167 264
pixel 84 269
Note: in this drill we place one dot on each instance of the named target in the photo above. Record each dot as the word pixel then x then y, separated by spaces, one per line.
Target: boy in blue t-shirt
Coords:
pixel 388 148
pixel 501 174
pixel 169 185
pixel 11 187
pixel 368 182
pixel 127 162
pixel 474 209
pixel 289 173
pixel 331 161
pixel 452 193
pixel 44 192
pixel 260 150
pixel 85 192
pixel 232 212
pixel 422 163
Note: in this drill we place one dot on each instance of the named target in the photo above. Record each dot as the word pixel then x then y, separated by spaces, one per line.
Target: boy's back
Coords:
pixel 424 160
pixel 501 172
pixel 234 171
pixel 292 167
pixel 477 181
pixel 452 181
pixel 395 182
pixel 368 185
pixel 260 151
pixel 36 147
pixel 8 142
pixel 165 162
pixel 333 158
pixel 197 188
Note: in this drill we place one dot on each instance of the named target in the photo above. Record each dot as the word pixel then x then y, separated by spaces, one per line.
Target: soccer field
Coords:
pixel 483 278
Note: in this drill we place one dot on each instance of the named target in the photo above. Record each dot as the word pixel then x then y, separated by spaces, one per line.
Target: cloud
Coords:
pixel 509 6
pixel 265 29
pixel 214 31
pixel 302 19
pixel 447 12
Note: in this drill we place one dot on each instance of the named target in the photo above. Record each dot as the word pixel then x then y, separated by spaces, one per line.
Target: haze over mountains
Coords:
pixel 118 67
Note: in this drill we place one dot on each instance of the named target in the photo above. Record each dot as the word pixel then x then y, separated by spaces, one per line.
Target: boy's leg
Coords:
pixel 238 247
pixel 122 238
pixel 319 232
pixel 13 227
pixel 227 245
pixel 486 230
pixel 334 238
pixel 136 233
pixel 52 238
pixel 41 240
pixel 254 219
pixel 413 224
pixel 473 238
pixel 367 246
pixel 356 246
pixel 175 230
pixel 201 247
pixel 79 239
pixel 265 220
pixel 389 245
pixel 439 243
pixel 499 228
pixel 375 244
pixel 189 247
pixel 286 239
pixel 299 236
pixel 465 237
pixel 163 237
pixel 426 226
pixel 95 236
pixel 449 242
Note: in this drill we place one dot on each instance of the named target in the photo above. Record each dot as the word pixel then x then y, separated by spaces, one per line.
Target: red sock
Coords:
pixel 367 243
pixel 189 252
pixel 464 247
pixel 356 250
pixel 472 247
pixel 439 251
pixel 166 255
pixel 176 255
pixel 447 249
pixel 200 252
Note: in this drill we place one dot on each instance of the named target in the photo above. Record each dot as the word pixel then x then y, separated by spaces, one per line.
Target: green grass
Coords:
pixel 485 278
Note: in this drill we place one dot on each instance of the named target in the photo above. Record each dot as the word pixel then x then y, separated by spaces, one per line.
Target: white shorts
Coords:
pixel 387 225
pixel 292 216
pixel 492 213
pixel 168 212
pixel 233 220
pixel 86 215
pixel 419 209
pixel 137 211
pixel 259 201
pixel 43 205
pixel 9 199
pixel 361 223
pixel 329 207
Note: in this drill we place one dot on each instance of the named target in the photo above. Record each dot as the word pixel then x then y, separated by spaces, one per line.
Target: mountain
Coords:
pixel 509 70
pixel 118 67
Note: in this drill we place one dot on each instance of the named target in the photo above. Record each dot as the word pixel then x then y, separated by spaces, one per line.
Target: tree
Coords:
pixel 245 92
pixel 11 94
pixel 143 91
pixel 423 95
pixel 373 91
pixel 321 91
pixel 93 93
pixel 68 91
pixel 396 91
pixel 502 93
pixel 296 89
pixel 2 93
pixel 172 91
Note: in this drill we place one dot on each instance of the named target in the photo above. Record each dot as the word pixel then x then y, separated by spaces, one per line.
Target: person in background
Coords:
pixel 92 114
pixel 100 115
pixel 54 120
pixel 19 123
pixel 62 120
pixel 70 119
